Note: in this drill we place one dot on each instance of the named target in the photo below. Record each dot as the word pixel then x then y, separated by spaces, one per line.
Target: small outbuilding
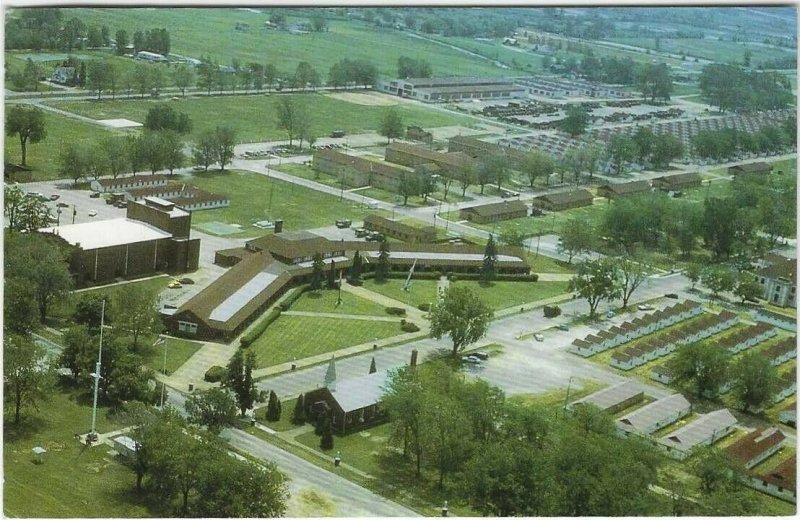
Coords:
pixel 614 398
pixel 756 446
pixel 756 167
pixel 623 189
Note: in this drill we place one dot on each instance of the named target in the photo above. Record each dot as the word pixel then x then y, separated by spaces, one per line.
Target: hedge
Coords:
pixel 425 307
pixel 287 303
pixel 259 329
pixel 409 327
pixel 396 311
pixel 551 311
pixel 215 374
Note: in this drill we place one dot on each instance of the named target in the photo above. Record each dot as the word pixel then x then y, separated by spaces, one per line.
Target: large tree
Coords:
pixel 26 377
pixel 24 213
pixel 184 78
pixel 755 381
pixel 703 367
pixel 214 408
pixel 576 121
pixel 292 115
pixel 576 237
pixel 596 280
pixel 537 164
pixel 621 149
pixel 462 315
pixel 391 124
pixel 489 267
pixel 136 312
pixel 114 148
pixel 632 274
pixel 239 378
pixel 28 124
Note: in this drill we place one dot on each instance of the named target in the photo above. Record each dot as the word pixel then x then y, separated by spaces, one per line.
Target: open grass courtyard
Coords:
pixel 251 194
pixel 326 301
pixel 298 337
pixel 72 481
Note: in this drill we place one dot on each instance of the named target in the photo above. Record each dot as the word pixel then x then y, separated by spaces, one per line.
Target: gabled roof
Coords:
pixel 645 418
pixel 752 167
pixel 294 244
pixel 359 392
pixel 784 476
pixel 565 197
pixel 754 444
pixel 783 268
pixel 128 179
pixel 498 208
pixel 613 395
pixel 679 179
pixel 703 428
pixel 624 188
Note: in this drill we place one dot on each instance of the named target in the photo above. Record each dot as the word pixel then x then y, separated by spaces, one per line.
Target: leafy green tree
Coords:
pixel 326 439
pixel 292 115
pixel 596 280
pixel 355 269
pixel 703 367
pixel 413 68
pixel 153 150
pixel 576 237
pixel 115 153
pixel 747 287
pixel 621 149
pixel 100 73
pixel 41 261
pixel 590 418
pixel 27 123
pixel 89 310
pixel 19 309
pixel 173 150
pixel 655 82
pixel 299 413
pixel 576 121
pixel 403 401
pixel 24 213
pixel 645 141
pixel 204 151
pixel 121 37
pixel 165 117
pixel 305 76
pixel 317 267
pixel 462 315
pixel 137 313
pixel 408 187
pixel 78 350
pixel 718 278
pixel 632 274
pixel 719 226
pixel 694 272
pixel 214 408
pixel 391 126
pixel 184 78
pixel 240 380
pixel 512 237
pixel 755 381
pixel 445 433
pixel 666 148
pixel 489 267
pixel 26 377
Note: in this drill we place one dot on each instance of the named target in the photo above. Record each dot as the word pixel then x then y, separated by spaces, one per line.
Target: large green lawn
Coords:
pixel 251 193
pixel 64 307
pixel 191 32
pixel 178 352
pixel 325 301
pixel 73 481
pixel 298 337
pixel 498 295
pixel 43 157
pixel 254 117
pixel 717 50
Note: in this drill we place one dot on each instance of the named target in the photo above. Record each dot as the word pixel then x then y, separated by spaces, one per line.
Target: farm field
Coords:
pixel 298 337
pixel 355 40
pixel 43 156
pixel 250 195
pixel 719 51
pixel 253 117
pixel 72 481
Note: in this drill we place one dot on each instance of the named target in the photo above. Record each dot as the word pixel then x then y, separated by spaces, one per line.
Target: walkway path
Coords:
pixel 193 371
pixel 363 317
pixel 412 313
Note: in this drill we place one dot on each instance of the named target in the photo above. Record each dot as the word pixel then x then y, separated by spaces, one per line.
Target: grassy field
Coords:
pixel 298 337
pixel 719 51
pixel 178 352
pixel 190 30
pixel 254 117
pixel 64 307
pixel 250 195
pixel 72 481
pixel 325 301
pixel 545 264
pixel 498 295
pixel 43 156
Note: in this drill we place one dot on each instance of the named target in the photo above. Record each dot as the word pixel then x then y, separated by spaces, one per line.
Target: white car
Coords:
pixel 93 213
pixel 645 307
pixel 538 337
pixel 471 359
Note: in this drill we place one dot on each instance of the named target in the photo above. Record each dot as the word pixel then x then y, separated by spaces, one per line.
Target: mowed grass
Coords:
pixel 178 352
pixel 64 307
pixel 250 194
pixel 325 301
pixel 62 131
pixel 254 117
pixel 210 32
pixel 717 50
pixel 497 295
pixel 299 337
pixel 72 482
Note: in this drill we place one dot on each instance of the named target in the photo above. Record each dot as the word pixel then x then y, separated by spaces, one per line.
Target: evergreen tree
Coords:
pixel 382 269
pixel 489 267
pixel 326 442
pixel 332 276
pixel 355 271
pixel 316 273
pixel 239 379
pixel 273 407
pixel 299 415
pixel 372 367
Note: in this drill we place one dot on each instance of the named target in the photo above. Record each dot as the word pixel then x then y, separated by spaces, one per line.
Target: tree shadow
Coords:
pixel 28 427
pixel 314 295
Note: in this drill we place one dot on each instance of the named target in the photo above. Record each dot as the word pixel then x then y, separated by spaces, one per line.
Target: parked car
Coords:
pixel 62 205
pixel 338 133
pixel 374 236
pixel 562 327
pixel 644 307
pixel 174 284
pixel 94 195
pixel 343 223
pixel 361 232
pixel 483 356
pixel 538 337
pixel 671 295
pixel 471 359
pixel 55 196
pixel 92 213
pixel 186 281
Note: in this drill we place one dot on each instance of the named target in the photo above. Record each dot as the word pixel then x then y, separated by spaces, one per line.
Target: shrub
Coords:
pixel 425 307
pixel 215 374
pixel 551 311
pixel 396 311
pixel 498 277
pixel 259 329
pixel 287 303
pixel 409 327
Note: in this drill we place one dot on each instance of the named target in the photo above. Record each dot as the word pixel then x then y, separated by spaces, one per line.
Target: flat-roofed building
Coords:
pixel 703 431
pixel 154 237
pixel 488 213
pixel 414 155
pixel 654 416
pixel 122 184
pixel 614 398
pixel 358 171
pixel 447 89
pixel 399 230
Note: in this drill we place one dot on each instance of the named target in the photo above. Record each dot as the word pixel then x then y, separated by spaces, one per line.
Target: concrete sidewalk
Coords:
pixel 194 369
pixel 363 317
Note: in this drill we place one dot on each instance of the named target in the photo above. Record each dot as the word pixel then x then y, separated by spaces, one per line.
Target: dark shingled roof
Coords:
pixel 498 208
pixel 780 268
pixel 754 444
pixel 755 167
pixel 566 197
pixel 680 179
pixel 784 476
pixel 625 188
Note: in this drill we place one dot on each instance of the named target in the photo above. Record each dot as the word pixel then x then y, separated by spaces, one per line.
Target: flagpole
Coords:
pixel 339 298
pixel 164 371
pixel 93 432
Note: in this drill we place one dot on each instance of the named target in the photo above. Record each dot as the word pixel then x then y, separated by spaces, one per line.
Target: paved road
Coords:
pixel 348 499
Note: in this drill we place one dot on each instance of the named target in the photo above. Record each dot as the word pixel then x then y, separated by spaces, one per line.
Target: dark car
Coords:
pixel 186 281
pixel 671 295
pixel 62 205
pixel 483 356
pixel 361 232
pixel 343 223
pixel 94 195
pixel 55 196
pixel 338 133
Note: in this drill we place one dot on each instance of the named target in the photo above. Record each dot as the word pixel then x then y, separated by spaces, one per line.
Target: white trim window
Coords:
pixel 187 326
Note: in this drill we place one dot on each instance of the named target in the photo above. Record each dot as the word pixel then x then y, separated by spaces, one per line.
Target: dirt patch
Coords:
pixel 311 503
pixel 371 99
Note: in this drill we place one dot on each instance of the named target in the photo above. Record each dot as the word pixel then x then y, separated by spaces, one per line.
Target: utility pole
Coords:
pixel 566 398
pixel 164 371
pixel 93 433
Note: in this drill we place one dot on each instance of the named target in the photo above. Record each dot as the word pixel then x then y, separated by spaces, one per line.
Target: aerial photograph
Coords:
pixel 269 260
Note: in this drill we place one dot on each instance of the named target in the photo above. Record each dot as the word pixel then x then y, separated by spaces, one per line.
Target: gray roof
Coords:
pixel 360 392
pixel 107 233
pixel 699 430
pixel 645 418
pixel 233 303
pixel 612 396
